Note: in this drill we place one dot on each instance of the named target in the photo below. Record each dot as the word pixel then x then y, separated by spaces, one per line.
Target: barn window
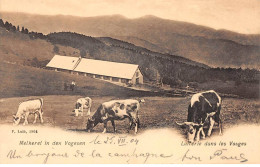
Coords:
pixel 106 78
pixel 115 79
pixel 90 75
pixel 98 76
pixel 123 80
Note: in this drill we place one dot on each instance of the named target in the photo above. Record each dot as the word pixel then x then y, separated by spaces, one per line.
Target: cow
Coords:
pixel 82 103
pixel 203 106
pixel 29 107
pixel 116 110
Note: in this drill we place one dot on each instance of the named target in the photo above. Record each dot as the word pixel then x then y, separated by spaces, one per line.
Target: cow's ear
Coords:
pixel 14 116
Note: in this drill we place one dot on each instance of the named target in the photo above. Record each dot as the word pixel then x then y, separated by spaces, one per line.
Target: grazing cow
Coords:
pixel 82 103
pixel 29 107
pixel 116 110
pixel 205 105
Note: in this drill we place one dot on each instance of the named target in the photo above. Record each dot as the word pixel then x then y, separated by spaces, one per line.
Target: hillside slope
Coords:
pixel 217 48
pixel 18 80
pixel 19 48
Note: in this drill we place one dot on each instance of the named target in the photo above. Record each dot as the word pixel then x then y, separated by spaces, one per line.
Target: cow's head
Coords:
pixel 191 129
pixel 76 111
pixel 16 120
pixel 90 124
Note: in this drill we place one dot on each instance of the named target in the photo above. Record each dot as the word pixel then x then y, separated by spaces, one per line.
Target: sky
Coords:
pixel 241 16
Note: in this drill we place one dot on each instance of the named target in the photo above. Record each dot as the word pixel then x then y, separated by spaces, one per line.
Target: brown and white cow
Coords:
pixel 29 107
pixel 203 106
pixel 116 110
pixel 82 103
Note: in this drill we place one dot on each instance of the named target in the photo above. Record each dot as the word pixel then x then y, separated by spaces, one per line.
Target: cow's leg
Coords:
pixel 202 133
pixel 198 131
pixel 76 112
pixel 211 124
pixel 35 117
pixel 105 127
pixel 26 118
pixel 114 126
pixel 136 126
pixel 220 127
pixel 130 124
pixel 138 122
pixel 40 115
pixel 218 120
pixel 89 111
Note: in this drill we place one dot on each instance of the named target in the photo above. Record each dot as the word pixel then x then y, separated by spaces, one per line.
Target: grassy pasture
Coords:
pixel 156 112
pixel 19 83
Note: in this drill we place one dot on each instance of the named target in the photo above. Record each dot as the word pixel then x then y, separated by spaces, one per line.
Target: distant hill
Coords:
pixel 217 48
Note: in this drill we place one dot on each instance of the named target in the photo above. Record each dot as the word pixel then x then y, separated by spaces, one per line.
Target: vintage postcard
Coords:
pixel 129 82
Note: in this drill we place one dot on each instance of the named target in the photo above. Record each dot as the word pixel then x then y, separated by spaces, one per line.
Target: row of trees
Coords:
pixel 9 27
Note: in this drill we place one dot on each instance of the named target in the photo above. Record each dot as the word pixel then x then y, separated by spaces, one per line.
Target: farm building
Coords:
pixel 63 63
pixel 106 70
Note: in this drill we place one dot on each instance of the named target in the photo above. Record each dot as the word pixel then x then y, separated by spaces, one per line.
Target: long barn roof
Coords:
pixel 107 68
pixel 98 67
pixel 63 62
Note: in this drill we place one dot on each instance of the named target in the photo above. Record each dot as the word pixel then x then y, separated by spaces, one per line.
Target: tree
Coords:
pixel 1 23
pixel 56 49
pixel 13 28
pixel 18 28
pixel 26 31
pixel 82 52
pixel 8 25
pixel 22 30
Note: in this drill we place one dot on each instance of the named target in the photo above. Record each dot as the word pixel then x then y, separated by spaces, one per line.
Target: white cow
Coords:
pixel 29 107
pixel 82 103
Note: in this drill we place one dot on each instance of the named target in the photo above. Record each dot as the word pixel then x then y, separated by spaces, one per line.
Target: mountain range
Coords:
pixel 215 48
